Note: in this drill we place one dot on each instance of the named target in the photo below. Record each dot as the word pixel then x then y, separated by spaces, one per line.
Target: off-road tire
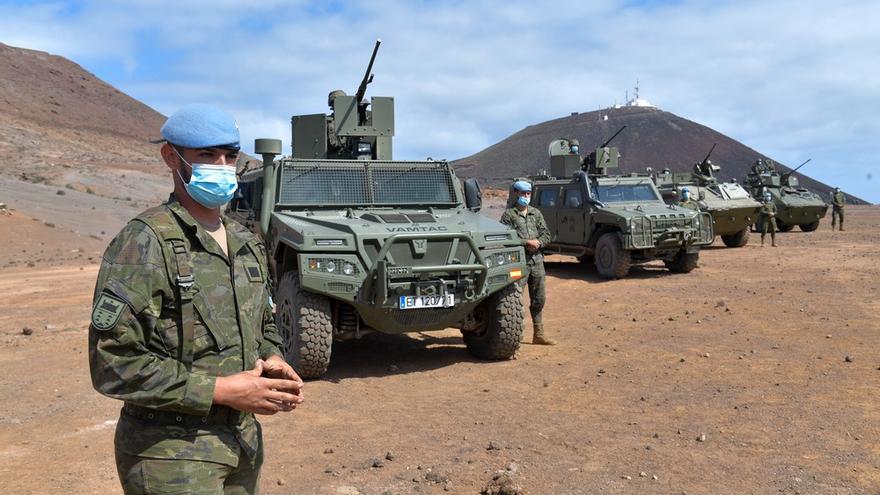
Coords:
pixel 739 239
pixel 783 227
pixel 683 262
pixel 611 260
pixel 809 227
pixel 504 326
pixel 304 321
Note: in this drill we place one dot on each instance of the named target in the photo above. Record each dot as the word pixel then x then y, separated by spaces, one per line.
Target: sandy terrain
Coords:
pixel 756 373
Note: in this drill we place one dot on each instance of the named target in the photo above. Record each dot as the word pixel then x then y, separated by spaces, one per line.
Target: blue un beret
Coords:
pixel 201 126
pixel 522 186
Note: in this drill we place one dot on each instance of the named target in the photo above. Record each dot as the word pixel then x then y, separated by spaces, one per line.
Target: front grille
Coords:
pixel 339 287
pixel 661 224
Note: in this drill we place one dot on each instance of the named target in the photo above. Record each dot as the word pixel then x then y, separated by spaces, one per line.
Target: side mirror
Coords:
pixel 473 196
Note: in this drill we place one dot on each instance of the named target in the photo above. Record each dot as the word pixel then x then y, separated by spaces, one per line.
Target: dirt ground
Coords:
pixel 756 373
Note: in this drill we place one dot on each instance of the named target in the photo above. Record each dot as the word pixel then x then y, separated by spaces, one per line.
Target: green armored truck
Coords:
pixel 358 242
pixel 614 221
pixel 795 205
pixel 733 210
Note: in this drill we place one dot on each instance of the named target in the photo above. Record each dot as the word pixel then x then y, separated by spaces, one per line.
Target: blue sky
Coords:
pixel 792 79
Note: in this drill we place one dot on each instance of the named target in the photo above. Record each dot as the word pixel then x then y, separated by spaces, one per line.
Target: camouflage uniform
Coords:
pixel 531 226
pixel 838 202
pixel 767 219
pixel 170 437
pixel 689 203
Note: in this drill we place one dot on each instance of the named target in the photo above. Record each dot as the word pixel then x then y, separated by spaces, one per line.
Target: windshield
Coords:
pixel 626 193
pixel 354 183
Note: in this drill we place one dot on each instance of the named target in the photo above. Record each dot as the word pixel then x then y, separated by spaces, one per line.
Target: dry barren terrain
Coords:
pixel 756 373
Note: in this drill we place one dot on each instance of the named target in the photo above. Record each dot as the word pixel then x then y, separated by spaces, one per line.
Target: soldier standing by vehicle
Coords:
pixel 532 229
pixel 838 202
pixel 767 219
pixel 687 201
pixel 182 328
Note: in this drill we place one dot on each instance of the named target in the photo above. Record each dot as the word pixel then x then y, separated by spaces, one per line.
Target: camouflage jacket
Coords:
pixel 768 210
pixel 690 203
pixel 528 226
pixel 135 333
pixel 838 199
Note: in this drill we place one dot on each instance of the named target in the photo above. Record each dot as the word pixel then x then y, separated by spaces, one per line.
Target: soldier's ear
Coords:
pixel 169 156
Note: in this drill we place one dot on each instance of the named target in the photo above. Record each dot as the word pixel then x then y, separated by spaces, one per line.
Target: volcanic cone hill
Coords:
pixel 652 138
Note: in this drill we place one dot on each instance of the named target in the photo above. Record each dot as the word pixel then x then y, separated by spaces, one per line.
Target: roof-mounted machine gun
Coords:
pixel 355 128
pixel 603 157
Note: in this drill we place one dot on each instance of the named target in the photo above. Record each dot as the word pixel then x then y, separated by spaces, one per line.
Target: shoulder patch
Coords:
pixel 107 311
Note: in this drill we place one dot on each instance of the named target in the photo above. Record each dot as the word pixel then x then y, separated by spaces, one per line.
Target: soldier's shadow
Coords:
pixel 379 354
pixel 576 270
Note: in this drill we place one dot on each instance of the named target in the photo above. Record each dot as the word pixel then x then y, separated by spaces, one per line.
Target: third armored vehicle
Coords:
pixel 795 205
pixel 733 210
pixel 359 243
pixel 614 221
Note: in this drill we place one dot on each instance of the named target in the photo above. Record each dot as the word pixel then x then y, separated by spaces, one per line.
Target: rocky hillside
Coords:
pixel 653 138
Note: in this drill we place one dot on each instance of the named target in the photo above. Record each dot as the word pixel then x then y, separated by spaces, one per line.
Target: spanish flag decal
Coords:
pixel 515 274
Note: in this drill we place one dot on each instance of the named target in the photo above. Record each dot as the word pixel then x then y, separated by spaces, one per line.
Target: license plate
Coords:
pixel 415 302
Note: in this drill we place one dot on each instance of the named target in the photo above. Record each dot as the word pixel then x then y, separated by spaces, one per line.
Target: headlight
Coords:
pixel 489 262
pixel 500 259
pixel 330 267
pixel 348 268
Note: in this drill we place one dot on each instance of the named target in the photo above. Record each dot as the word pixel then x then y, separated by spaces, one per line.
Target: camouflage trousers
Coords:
pixel 768 225
pixel 144 475
pixel 835 214
pixel 537 289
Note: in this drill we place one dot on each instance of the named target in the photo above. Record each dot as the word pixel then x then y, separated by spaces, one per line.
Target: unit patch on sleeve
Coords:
pixel 253 272
pixel 107 311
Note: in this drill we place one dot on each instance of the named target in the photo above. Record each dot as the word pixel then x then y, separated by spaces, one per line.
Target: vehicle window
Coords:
pixel 547 197
pixel 626 193
pixel 573 198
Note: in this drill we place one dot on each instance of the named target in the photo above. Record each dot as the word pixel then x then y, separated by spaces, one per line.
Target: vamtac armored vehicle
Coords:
pixel 733 210
pixel 795 205
pixel 614 221
pixel 358 242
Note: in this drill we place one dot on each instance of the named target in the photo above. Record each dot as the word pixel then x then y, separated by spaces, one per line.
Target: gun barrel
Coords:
pixel 368 76
pixel 709 153
pixel 606 143
pixel 798 167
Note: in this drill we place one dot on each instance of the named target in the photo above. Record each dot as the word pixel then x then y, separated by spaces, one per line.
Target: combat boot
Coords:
pixel 539 338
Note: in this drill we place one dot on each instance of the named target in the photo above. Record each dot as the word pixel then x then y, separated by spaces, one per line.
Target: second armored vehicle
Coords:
pixel 360 243
pixel 614 221
pixel 795 205
pixel 733 210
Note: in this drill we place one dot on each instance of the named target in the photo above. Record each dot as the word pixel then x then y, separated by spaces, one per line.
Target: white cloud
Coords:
pixel 791 79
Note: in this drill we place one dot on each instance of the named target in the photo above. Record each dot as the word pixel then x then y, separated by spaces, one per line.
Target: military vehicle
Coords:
pixel 358 242
pixel 614 221
pixel 795 205
pixel 733 210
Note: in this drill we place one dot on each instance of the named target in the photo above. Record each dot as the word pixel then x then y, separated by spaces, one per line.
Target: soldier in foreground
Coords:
pixel 838 203
pixel 182 328
pixel 532 229
pixel 686 200
pixel 767 219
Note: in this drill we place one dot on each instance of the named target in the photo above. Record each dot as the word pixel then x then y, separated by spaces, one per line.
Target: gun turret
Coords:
pixel 704 170
pixel 355 128
pixel 706 160
pixel 603 157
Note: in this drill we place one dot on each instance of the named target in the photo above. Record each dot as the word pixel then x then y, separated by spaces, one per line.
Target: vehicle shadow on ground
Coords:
pixel 587 271
pixel 379 354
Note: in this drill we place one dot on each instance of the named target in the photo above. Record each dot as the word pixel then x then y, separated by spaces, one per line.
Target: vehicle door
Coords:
pixel 546 199
pixel 572 215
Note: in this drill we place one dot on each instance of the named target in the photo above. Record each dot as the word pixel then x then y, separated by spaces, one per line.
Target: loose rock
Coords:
pixel 27 331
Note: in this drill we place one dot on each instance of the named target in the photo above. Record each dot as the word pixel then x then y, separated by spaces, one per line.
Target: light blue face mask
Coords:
pixel 210 185
pixel 523 200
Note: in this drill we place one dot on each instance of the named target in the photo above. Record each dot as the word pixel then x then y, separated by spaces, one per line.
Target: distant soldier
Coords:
pixel 573 146
pixel 532 229
pixel 838 202
pixel 767 219
pixel 758 167
pixel 686 200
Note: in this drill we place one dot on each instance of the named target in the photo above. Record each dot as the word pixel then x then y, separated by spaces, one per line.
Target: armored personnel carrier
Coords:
pixel 733 210
pixel 358 242
pixel 614 221
pixel 795 205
